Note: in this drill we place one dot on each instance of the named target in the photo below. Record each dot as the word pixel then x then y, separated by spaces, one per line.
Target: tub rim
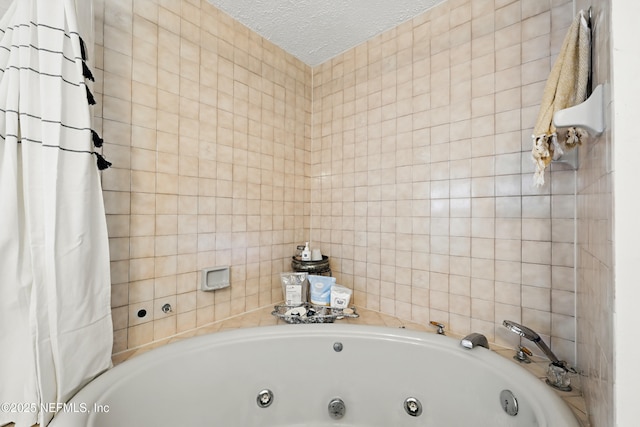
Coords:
pixel 546 401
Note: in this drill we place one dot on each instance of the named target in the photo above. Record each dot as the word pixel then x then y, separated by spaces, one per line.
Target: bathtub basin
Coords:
pixel 215 380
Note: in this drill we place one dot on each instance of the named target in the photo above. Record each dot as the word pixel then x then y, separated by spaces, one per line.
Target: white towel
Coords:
pixel 566 86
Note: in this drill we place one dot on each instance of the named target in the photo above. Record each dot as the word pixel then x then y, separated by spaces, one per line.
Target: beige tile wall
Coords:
pixel 421 172
pixel 416 144
pixel 206 126
pixel 595 225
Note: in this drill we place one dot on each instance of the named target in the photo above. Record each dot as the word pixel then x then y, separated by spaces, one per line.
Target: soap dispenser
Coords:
pixel 306 253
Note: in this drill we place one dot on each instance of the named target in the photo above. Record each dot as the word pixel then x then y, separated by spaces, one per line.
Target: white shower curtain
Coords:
pixel 55 317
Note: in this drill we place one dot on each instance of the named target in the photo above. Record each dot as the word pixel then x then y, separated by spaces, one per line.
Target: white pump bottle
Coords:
pixel 306 253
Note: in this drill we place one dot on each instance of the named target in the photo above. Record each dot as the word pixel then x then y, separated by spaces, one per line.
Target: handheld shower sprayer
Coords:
pixel 531 335
pixel 558 373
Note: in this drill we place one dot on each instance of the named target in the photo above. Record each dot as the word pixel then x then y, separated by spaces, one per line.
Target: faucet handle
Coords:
pixel 440 327
pixel 523 354
pixel 559 375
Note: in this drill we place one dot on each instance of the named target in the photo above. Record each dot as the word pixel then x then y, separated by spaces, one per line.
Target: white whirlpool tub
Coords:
pixel 307 375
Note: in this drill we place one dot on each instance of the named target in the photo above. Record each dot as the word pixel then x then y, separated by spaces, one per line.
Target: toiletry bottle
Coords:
pixel 306 253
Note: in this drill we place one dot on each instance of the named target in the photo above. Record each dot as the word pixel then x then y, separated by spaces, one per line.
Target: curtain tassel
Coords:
pixel 90 99
pixel 97 141
pixel 102 162
pixel 83 49
pixel 86 72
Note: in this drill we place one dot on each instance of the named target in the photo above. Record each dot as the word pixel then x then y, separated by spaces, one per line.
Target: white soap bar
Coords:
pixel 297 311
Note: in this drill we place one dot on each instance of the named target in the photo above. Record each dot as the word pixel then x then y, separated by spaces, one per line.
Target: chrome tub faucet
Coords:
pixel 474 340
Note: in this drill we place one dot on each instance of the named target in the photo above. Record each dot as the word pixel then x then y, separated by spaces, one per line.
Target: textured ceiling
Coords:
pixel 317 30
